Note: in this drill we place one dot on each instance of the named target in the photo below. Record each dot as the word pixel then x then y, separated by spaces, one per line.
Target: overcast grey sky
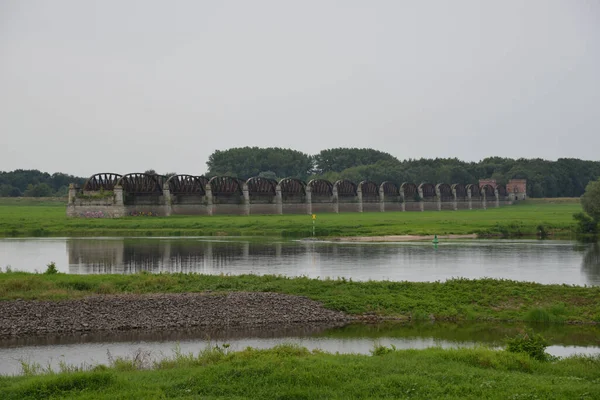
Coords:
pixel 124 86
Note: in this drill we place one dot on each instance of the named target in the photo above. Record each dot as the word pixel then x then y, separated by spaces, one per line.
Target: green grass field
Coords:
pixel 23 217
pixel 289 372
pixel 458 299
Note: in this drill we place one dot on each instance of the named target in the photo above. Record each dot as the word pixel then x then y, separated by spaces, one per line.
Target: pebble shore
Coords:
pixel 159 311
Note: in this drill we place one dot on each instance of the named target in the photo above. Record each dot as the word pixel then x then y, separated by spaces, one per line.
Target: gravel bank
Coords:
pixel 160 311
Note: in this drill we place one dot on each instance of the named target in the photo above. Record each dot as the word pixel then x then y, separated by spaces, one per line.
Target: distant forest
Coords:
pixel 33 183
pixel 566 177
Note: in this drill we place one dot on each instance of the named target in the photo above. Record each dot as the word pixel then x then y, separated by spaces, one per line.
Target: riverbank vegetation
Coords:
pixel 456 299
pixel 546 218
pixel 291 372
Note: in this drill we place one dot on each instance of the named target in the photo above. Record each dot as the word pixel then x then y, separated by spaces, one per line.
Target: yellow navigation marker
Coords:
pixel 314 216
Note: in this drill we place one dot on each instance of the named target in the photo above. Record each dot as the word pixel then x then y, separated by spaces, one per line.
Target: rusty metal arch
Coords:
pixel 321 187
pixel 259 185
pixel 445 191
pixel 292 186
pixel 461 190
pixel 488 190
pixel 187 184
pixel 226 185
pixel 369 188
pixel 140 183
pixel 409 190
pixel 101 181
pixel 427 189
pixel 345 187
pixel 502 192
pixel 389 189
pixel 475 190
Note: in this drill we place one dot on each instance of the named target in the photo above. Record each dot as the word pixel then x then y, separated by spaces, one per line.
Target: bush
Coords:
pixel 529 343
pixel 51 268
pixel 585 224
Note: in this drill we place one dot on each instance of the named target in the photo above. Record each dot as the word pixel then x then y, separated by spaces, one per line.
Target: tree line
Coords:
pixel 565 177
pixel 34 183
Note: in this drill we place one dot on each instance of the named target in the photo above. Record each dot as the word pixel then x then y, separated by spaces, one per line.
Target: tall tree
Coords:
pixel 590 201
pixel 337 160
pixel 246 162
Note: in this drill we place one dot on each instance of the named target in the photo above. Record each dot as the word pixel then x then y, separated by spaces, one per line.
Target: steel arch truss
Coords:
pixel 445 191
pixel 428 190
pixel 321 187
pixel 489 191
pixel 345 188
pixel 460 190
pixel 187 184
pixel 292 186
pixel 139 183
pixel 226 185
pixel 102 181
pixel 389 189
pixel 475 190
pixel 409 191
pixel 261 186
pixel 369 188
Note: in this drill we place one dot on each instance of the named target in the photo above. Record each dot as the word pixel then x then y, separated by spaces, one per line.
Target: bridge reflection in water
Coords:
pixel 127 256
pixel 523 260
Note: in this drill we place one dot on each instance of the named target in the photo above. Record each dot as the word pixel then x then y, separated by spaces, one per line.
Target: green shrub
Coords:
pixel 529 343
pixel 585 224
pixel 51 268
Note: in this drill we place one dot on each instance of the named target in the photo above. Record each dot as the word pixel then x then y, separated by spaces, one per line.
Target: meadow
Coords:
pixel 290 372
pixel 455 299
pixel 30 217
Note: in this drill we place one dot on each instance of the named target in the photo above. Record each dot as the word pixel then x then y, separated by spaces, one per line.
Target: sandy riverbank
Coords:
pixel 401 238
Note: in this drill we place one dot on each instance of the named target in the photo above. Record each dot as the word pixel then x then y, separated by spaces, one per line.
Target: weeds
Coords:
pixel 141 359
pixel 379 350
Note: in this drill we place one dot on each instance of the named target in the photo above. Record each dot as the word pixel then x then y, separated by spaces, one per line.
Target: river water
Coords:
pixel 524 260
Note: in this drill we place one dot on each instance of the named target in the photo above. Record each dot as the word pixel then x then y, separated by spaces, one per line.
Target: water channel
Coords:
pixel 524 260
pixel 98 348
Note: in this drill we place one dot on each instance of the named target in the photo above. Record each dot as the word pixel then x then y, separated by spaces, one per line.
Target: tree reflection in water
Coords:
pixel 591 264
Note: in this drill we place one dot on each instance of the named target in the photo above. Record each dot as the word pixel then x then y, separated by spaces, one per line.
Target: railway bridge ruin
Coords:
pixel 110 195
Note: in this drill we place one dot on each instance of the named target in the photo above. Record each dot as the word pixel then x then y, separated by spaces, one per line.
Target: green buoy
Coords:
pixel 435 240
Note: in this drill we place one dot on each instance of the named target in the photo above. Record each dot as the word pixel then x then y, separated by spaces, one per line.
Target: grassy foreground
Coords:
pixel 289 372
pixel 20 217
pixel 457 299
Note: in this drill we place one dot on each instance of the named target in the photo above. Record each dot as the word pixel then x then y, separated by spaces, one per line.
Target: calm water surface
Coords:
pixel 92 349
pixel 525 260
